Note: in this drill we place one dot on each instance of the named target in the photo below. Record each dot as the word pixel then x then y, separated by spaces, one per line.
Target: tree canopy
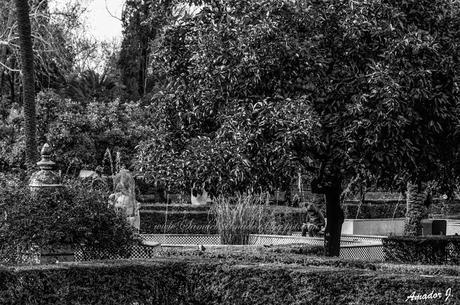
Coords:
pixel 349 91
pixel 260 89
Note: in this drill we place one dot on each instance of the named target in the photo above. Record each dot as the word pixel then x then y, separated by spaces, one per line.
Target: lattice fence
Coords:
pixel 368 252
pixel 136 252
pixel 11 256
pixel 352 247
pixel 254 239
pixel 183 239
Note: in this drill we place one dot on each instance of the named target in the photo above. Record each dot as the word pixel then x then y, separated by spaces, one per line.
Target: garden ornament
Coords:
pixel 124 199
pixel 46 177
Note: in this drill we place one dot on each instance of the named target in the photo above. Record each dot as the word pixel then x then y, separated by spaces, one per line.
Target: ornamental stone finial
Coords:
pixel 46 176
pixel 45 163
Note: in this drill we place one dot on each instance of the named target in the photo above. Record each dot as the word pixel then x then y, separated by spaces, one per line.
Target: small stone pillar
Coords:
pixel 46 177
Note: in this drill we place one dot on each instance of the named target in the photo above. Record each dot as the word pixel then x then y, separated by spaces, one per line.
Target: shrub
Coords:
pixel 422 249
pixel 50 219
pixel 215 281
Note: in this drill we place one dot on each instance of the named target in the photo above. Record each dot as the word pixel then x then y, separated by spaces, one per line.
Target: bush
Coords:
pixel 422 249
pixel 215 281
pixel 72 216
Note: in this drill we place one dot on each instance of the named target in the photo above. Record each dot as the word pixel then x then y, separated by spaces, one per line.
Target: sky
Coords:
pixel 101 25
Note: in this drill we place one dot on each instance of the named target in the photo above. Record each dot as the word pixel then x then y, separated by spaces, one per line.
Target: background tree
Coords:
pixel 143 22
pixel 349 91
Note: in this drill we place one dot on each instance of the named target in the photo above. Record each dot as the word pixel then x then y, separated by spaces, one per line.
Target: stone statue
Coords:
pixel 124 198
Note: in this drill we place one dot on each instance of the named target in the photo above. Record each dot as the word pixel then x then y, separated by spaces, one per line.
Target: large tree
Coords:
pixel 28 80
pixel 349 91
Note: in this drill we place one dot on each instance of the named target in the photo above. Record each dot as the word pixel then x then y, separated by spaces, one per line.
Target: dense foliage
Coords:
pixel 256 90
pixel 80 133
pixel 223 280
pixel 225 123
pixel 72 216
pixel 433 250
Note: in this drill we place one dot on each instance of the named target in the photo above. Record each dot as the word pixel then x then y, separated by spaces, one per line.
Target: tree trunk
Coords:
pixel 416 210
pixel 28 81
pixel 334 215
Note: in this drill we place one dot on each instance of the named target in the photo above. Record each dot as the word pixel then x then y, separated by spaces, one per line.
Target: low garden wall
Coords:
pixel 382 227
pixel 203 280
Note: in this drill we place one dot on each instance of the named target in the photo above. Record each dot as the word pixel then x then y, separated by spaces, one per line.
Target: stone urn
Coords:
pixel 46 178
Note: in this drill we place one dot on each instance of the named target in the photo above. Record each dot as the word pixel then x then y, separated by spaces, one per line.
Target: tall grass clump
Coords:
pixel 239 216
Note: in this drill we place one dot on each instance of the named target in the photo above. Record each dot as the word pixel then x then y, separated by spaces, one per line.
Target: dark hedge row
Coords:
pixel 372 209
pixel 213 281
pixel 422 249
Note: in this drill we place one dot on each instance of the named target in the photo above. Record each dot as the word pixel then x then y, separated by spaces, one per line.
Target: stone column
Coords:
pixel 46 178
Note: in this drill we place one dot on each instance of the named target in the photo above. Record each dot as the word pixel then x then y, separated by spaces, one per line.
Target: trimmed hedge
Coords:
pixel 214 281
pixel 378 208
pixel 422 249
pixel 374 209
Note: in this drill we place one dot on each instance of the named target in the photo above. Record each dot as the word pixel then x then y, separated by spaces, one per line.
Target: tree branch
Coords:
pixel 110 13
pixel 8 68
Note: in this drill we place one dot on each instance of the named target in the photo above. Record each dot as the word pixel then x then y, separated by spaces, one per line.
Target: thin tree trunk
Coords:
pixel 415 210
pixel 11 81
pixel 28 81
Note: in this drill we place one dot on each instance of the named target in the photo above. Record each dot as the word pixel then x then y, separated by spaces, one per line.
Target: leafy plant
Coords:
pixel 73 216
